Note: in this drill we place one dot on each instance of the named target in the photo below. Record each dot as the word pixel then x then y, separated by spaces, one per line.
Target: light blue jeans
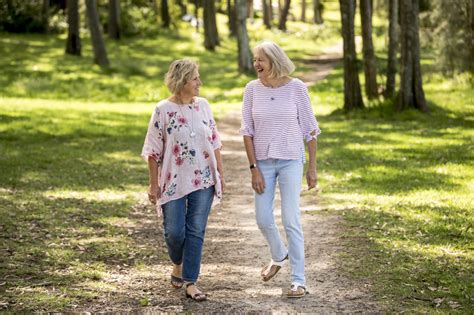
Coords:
pixel 288 174
pixel 184 223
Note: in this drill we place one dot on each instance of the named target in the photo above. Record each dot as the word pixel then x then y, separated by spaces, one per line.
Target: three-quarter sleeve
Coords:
pixel 247 126
pixel 306 119
pixel 215 138
pixel 154 141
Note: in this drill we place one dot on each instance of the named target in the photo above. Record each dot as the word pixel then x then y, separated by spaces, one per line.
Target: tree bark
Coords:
pixel 411 85
pixel 352 93
pixel 100 53
pixel 196 14
pixel 303 10
pixel 232 16
pixel 284 15
pixel 392 48
pixel 211 36
pixel 45 15
pixel 114 19
pixel 245 55
pixel 317 16
pixel 370 63
pixel 250 9
pixel 73 42
pixel 266 15
pixel 165 14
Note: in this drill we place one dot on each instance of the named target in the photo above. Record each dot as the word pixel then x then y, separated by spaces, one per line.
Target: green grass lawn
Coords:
pixel 70 171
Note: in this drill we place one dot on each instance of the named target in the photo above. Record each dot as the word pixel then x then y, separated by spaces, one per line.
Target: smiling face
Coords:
pixel 262 64
pixel 191 88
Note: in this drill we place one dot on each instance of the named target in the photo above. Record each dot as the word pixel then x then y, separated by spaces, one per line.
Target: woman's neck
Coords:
pixel 275 82
pixel 182 99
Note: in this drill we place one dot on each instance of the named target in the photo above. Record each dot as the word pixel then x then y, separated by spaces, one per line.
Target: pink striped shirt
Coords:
pixel 278 119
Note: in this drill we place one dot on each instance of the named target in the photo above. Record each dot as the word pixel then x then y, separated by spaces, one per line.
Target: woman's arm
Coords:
pixel 220 168
pixel 312 172
pixel 154 189
pixel 258 183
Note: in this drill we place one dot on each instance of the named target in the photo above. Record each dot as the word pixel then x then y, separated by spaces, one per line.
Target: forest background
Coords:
pixel 79 80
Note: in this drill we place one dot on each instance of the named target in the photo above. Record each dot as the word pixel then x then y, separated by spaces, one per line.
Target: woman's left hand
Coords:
pixel 222 184
pixel 311 178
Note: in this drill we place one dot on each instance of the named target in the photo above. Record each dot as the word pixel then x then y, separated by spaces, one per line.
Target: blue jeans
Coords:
pixel 184 223
pixel 288 174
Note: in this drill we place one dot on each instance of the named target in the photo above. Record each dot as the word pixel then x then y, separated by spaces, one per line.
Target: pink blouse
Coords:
pixel 182 140
pixel 278 119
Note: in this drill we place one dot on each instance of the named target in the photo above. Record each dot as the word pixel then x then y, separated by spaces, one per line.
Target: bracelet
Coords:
pixel 253 166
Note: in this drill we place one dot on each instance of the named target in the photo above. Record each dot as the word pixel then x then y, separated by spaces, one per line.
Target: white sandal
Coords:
pixel 270 270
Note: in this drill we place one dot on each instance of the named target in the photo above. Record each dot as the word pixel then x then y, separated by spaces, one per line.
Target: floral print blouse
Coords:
pixel 182 140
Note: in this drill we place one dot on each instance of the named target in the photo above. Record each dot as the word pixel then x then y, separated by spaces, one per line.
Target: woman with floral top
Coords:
pixel 182 147
pixel 276 118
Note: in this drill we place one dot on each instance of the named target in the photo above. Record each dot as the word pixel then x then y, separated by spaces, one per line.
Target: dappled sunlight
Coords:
pixel 91 195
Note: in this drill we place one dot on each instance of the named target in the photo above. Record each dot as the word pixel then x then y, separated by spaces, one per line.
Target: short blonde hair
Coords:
pixel 180 72
pixel 281 65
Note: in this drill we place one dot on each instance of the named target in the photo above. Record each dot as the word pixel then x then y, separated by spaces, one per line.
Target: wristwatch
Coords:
pixel 252 166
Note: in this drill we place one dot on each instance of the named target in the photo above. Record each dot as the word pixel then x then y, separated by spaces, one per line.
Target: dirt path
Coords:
pixel 235 251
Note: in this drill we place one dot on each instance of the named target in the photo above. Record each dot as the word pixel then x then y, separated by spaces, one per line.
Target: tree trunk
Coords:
pixel 231 13
pixel 73 42
pixel 270 11
pixel 284 15
pixel 100 54
pixel 317 16
pixel 303 10
pixel 165 14
pixel 211 37
pixel 245 55
pixel 45 15
pixel 352 93
pixel 411 85
pixel 392 48
pixel 114 19
pixel 266 15
pixel 182 7
pixel 250 9
pixel 196 14
pixel 370 63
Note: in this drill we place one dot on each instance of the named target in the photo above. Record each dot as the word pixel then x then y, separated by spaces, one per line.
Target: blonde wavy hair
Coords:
pixel 280 64
pixel 180 72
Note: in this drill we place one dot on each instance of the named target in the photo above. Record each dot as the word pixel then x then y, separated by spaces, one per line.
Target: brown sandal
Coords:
pixel 296 290
pixel 198 296
pixel 270 270
pixel 176 282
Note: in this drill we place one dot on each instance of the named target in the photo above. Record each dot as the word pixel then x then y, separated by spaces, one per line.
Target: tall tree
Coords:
pixel 114 19
pixel 370 63
pixel 73 42
pixel 196 14
pixel 250 10
pixel 182 7
pixel 392 48
pixel 284 15
pixel 45 15
pixel 303 10
pixel 100 53
pixel 245 55
pixel 318 14
pixel 266 14
pixel 165 14
pixel 352 93
pixel 232 16
pixel 411 85
pixel 211 36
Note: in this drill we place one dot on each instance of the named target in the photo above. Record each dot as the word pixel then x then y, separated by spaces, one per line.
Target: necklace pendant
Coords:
pixel 192 134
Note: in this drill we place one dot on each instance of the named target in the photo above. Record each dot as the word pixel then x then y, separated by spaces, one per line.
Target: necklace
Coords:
pixel 192 134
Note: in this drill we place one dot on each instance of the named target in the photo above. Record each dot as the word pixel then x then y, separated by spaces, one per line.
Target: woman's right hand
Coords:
pixel 154 193
pixel 258 183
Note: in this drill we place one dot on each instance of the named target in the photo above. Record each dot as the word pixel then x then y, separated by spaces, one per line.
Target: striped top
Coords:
pixel 278 119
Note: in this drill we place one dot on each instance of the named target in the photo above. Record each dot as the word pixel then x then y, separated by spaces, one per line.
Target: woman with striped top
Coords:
pixel 277 118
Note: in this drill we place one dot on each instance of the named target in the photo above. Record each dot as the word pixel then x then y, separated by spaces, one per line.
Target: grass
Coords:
pixel 71 177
